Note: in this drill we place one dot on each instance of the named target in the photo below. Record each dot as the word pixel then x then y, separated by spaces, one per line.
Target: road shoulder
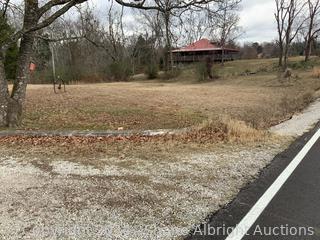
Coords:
pixel 231 214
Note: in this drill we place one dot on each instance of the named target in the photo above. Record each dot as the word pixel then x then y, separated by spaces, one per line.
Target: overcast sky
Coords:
pixel 256 19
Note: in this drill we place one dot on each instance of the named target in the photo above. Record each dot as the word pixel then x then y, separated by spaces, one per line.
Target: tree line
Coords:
pixel 296 19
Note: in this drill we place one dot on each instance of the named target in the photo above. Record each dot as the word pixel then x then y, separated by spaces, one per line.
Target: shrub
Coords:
pixel 263 70
pixel 201 72
pixel 152 71
pixel 10 63
pixel 173 73
pixel 303 64
pixel 119 70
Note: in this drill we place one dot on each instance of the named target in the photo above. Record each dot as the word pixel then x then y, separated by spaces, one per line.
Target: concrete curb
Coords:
pixel 122 133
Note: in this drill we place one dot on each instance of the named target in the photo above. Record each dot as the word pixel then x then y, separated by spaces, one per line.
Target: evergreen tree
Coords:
pixel 11 54
pixel 10 62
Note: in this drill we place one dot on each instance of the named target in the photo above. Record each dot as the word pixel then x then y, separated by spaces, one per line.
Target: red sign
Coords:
pixel 32 67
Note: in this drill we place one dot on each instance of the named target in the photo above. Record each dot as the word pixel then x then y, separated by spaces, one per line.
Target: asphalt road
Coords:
pixel 292 213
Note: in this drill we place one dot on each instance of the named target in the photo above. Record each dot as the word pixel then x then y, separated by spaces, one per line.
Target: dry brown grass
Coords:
pixel 259 100
pixel 240 131
pixel 316 72
pixel 150 106
pixel 202 138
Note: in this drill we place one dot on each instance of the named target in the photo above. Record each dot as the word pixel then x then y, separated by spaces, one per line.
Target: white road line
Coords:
pixel 246 223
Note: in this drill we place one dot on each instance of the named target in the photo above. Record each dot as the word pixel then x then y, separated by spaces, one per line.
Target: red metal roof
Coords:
pixel 201 45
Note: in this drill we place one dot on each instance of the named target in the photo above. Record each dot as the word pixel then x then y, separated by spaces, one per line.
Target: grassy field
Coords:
pixel 246 90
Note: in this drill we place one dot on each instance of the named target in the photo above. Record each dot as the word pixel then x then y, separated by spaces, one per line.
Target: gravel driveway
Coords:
pixel 124 199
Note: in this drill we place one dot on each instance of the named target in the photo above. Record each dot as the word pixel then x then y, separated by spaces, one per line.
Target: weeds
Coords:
pixel 173 73
pixel 201 72
pixel 288 105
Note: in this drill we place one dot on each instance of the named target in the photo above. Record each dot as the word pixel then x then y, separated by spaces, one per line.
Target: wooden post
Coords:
pixel 53 63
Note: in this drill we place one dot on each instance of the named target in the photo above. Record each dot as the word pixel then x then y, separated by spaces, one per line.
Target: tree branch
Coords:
pixel 42 10
pixel 55 15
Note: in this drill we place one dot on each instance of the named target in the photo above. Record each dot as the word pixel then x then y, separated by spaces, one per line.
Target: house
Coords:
pixel 202 50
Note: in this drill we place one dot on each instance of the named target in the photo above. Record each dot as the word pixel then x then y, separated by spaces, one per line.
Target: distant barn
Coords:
pixel 202 50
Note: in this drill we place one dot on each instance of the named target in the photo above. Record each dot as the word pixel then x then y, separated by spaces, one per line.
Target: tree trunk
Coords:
pixel 307 51
pixel 18 95
pixel 285 57
pixel 285 62
pixel 280 57
pixel 168 54
pixel 17 99
pixel 4 94
pixel 309 37
pixel 11 106
pixel 222 56
pixel 280 60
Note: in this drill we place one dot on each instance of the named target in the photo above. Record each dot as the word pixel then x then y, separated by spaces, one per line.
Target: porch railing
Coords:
pixel 200 58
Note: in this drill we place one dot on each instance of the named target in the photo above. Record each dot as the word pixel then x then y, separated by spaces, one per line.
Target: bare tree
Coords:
pixel 4 7
pixel 168 9
pixel 289 22
pixel 225 24
pixel 36 17
pixel 148 47
pixel 152 24
pixel 195 26
pixel 313 26
pixel 109 37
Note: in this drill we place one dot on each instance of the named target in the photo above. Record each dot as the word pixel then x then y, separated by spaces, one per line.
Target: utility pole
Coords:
pixel 53 63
